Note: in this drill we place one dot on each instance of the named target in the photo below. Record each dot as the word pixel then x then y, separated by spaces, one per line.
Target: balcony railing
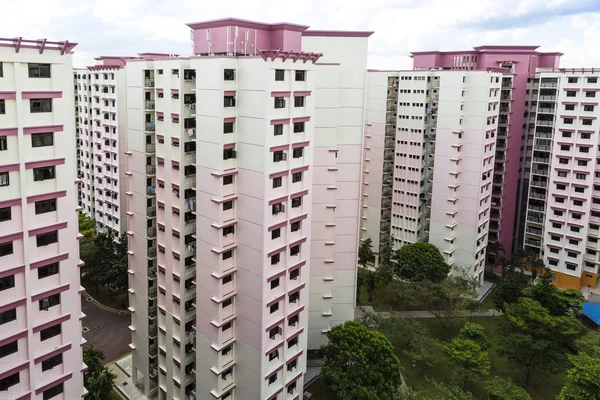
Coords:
pixel 532 231
pixel 150 169
pixel 151 212
pixel 152 292
pixel 149 104
pixel 151 232
pixel 150 148
pixel 150 127
pixel 152 252
pixel 148 82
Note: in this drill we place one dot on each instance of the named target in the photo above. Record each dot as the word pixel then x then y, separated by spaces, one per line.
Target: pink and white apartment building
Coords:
pixel 430 149
pixel 101 105
pixel 40 308
pixel 563 205
pixel 518 64
pixel 243 206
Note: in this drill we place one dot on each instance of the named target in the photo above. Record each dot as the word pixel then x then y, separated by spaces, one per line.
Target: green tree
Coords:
pixel 359 363
pixel 108 264
pixel 530 336
pixel 442 391
pixel 557 301
pixel 476 333
pixel 365 277
pixel 508 291
pixel 98 380
pixel 471 362
pixel 583 378
pixel 445 300
pixel 417 262
pixel 497 251
pixel 365 252
pixel 385 252
pixel 500 388
pixel 87 227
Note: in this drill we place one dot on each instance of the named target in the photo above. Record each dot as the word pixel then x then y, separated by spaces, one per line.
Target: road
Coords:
pixel 107 331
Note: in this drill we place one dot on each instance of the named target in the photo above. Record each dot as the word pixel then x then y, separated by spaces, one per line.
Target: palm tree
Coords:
pixel 100 385
pixel 497 250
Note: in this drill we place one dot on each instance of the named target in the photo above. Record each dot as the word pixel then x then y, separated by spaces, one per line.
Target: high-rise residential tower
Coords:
pixel 40 308
pixel 430 144
pixel 243 206
pixel 563 206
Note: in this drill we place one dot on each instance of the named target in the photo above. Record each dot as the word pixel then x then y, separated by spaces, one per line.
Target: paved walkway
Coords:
pixel 106 330
pixel 362 310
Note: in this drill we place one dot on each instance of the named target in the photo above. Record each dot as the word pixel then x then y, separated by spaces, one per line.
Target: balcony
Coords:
pixel 149 105
pixel 547 97
pixel 150 169
pixel 152 292
pixel 151 212
pixel 534 243
pixel 152 253
pixel 150 126
pixel 151 232
pixel 150 148
pixel 533 231
pixel 148 82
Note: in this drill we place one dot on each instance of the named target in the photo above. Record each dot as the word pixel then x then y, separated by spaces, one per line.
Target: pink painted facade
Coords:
pixel 226 228
pixel 518 63
pixel 40 306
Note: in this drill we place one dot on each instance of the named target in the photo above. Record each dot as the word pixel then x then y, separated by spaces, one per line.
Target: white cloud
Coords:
pixel 127 27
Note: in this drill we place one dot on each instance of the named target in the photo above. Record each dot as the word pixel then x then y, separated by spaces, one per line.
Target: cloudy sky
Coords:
pixel 128 27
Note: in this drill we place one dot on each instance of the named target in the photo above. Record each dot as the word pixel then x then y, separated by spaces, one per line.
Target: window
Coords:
pixel 570 107
pixel 295 226
pixel 228 205
pixel 588 108
pixel 295 274
pixel 8 316
pixel 227 180
pixel 228 154
pixel 226 326
pixel 229 75
pixel 1 71
pixel 48 333
pixel 274 308
pixel 52 362
pixel 562 174
pixel 228 230
pixel 2 106
pixel 279 102
pixel 277 182
pixel 47 270
pixel 40 105
pixel 298 127
pixel 278 130
pixel 7 282
pixel 227 279
pixel 560 186
pixel 300 76
pixel 563 160
pixel 46 239
pixel 553 262
pixel 279 75
pixel 294 251
pixel 53 392
pixel 568 121
pixel 299 101
pixel 274 332
pixel 292 365
pixel 6 249
pixel 227 303
pixel 571 93
pixel 272 379
pixel 9 381
pixel 228 254
pixel 275 284
pixel 577 203
pixel 43 173
pixel 592 79
pixel 590 94
pixel 292 342
pixel 279 156
pixel 273 355
pixel 278 208
pixel 226 350
pixel 580 176
pixel 5 214
pixel 275 233
pixel 586 122
pixel 45 206
pixel 296 177
pixel 9 349
pixel 42 139
pixel 228 127
pixel 572 79
pixel 229 101
pixel 298 152
pixel 565 147
pixel 275 259
pixel 49 301
pixel 39 71
pixel 294 320
pixel 3 143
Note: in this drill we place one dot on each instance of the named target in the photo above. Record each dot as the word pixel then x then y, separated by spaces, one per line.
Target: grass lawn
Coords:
pixel 540 387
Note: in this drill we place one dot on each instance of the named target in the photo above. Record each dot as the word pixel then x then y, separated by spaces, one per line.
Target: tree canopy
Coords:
pixel 476 333
pixel 98 380
pixel 359 363
pixel 420 261
pixel 556 301
pixel 471 362
pixel 106 261
pixel 500 388
pixel 531 336
pixel 583 378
